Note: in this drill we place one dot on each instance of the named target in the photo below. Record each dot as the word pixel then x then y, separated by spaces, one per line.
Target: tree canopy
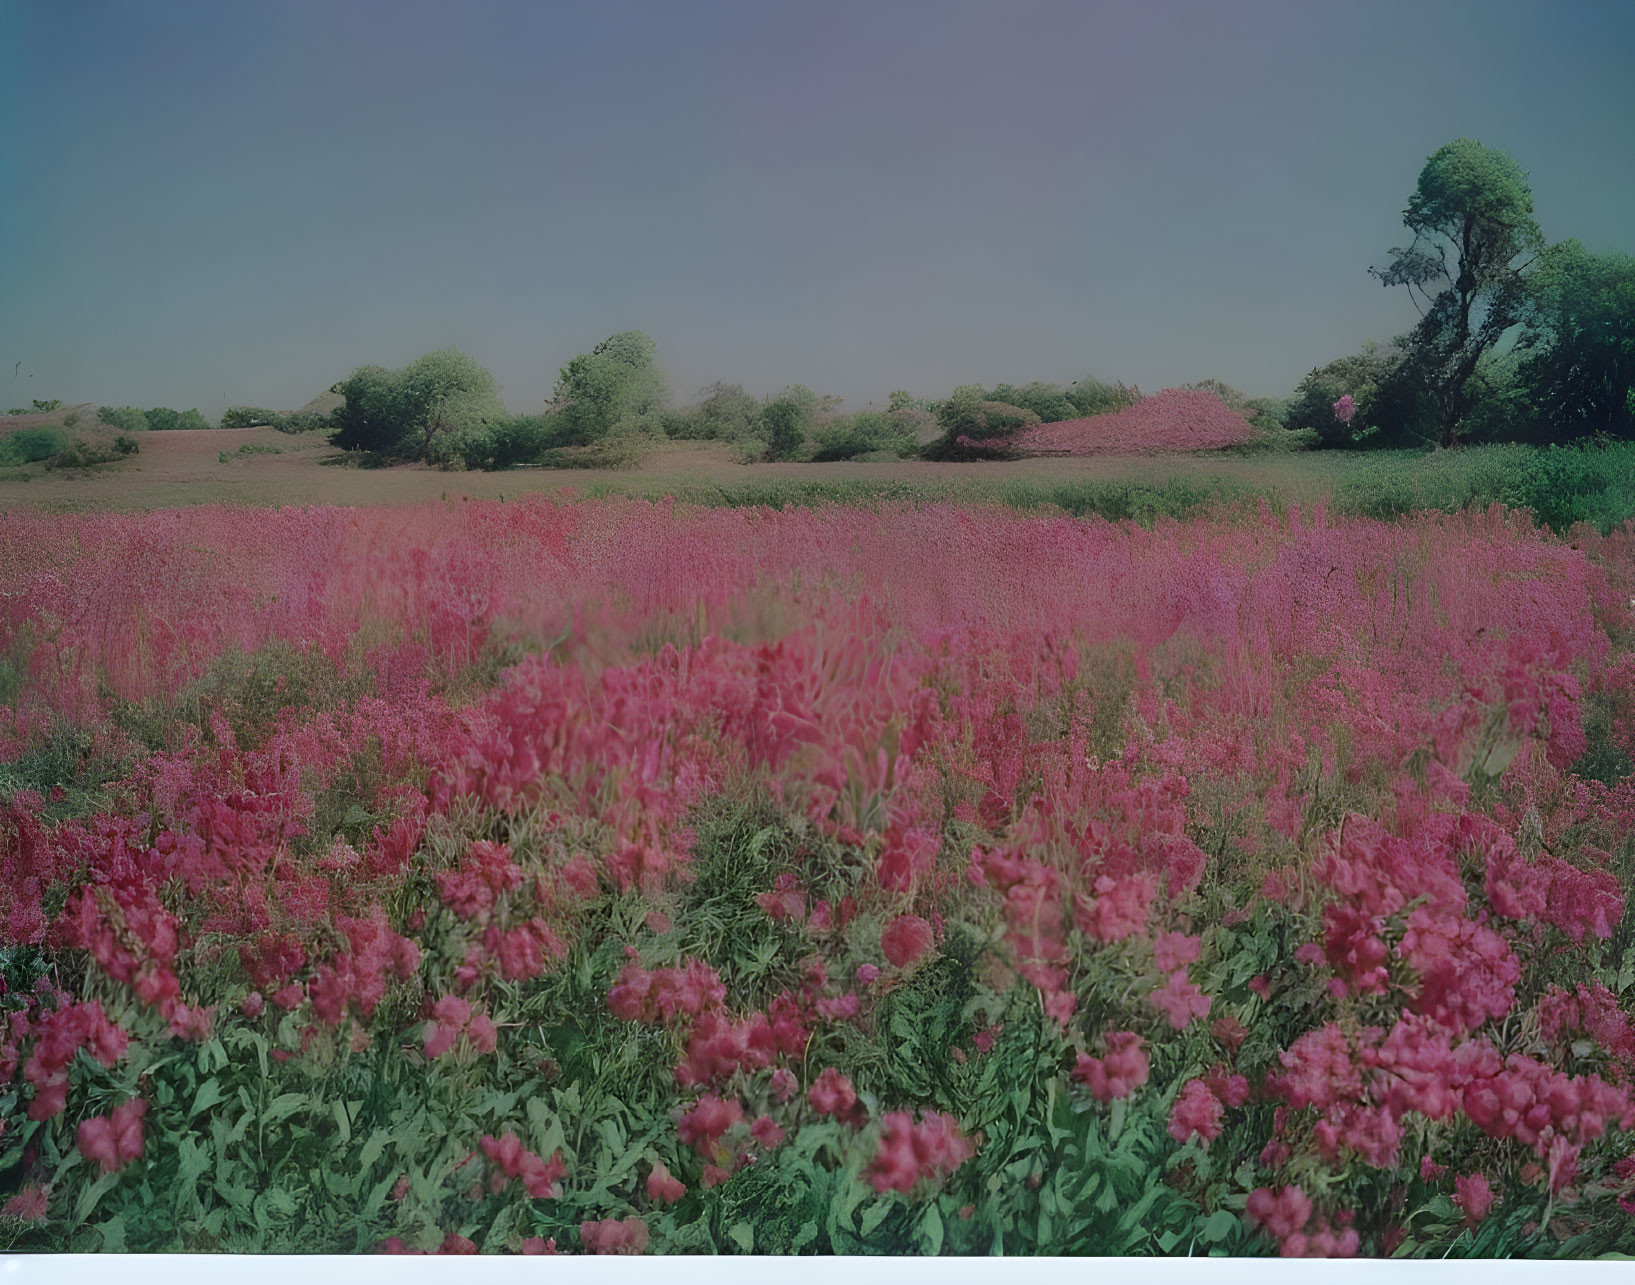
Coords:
pixel 1472 202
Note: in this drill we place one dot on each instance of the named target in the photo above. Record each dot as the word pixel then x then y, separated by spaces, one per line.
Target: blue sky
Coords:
pixel 207 203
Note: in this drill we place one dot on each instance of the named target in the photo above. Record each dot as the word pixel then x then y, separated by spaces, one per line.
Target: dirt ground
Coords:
pixel 265 467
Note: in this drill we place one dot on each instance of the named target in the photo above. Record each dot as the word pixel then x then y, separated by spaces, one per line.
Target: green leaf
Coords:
pixel 873 1217
pixel 742 1235
pixel 1219 1225
pixel 372 1149
pixel 282 1107
pixel 113 1235
pixel 931 1230
pixel 343 1122
pixel 806 1235
pixel 91 1195
pixel 210 1093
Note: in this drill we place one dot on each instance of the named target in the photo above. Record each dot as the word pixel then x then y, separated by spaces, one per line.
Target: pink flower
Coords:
pixel 1176 950
pixel 832 1094
pixel 111 1141
pixel 1283 1213
pixel 867 973
pixel 1180 1000
pixel 905 939
pixel 614 1236
pixel 1120 1073
pixel 482 1033
pixel 766 1131
pixel 28 1205
pixel 1344 409
pixel 663 1188
pixel 1474 1196
pixel 1196 1111
pixel 911 1151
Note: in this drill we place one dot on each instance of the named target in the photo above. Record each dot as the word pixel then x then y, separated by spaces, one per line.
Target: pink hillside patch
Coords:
pixel 1176 419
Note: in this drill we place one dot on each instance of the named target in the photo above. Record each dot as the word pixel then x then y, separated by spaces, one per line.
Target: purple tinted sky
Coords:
pixel 208 200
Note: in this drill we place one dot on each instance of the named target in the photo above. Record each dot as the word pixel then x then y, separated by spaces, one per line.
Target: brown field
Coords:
pixel 180 468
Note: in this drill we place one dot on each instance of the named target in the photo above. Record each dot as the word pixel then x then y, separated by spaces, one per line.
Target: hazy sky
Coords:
pixel 222 200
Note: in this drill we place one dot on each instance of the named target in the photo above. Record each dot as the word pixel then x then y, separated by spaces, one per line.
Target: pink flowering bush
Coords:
pixel 1176 419
pixel 605 877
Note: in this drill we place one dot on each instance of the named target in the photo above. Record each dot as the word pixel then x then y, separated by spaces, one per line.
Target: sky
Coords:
pixel 204 204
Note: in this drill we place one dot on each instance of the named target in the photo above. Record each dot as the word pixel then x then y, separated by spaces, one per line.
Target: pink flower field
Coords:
pixel 574 876
pixel 1175 419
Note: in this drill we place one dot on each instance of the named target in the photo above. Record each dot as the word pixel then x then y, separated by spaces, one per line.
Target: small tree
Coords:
pixel 785 420
pixel 1475 202
pixel 619 379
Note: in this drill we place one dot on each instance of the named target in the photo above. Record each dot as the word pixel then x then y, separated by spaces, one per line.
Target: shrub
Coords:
pixel 722 413
pixel 867 433
pixel 1092 396
pixel 128 418
pixel 31 445
pixel 163 419
pixel 71 419
pixel 88 455
pixel 246 417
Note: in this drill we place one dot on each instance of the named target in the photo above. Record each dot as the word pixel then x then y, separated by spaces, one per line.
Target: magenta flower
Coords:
pixel 1345 408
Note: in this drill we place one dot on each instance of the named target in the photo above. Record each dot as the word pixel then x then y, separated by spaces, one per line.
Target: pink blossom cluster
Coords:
pixel 541 1179
pixel 912 1151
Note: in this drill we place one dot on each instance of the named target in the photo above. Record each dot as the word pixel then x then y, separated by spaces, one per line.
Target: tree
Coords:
pixel 1475 202
pixel 616 380
pixel 435 408
pixel 786 418
pixel 371 417
pixel 1578 341
pixel 447 398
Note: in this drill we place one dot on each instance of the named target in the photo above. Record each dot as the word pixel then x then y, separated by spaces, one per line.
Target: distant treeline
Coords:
pixel 1518 341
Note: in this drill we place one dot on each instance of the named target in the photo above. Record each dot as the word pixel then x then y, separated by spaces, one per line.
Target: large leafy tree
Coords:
pixel 430 409
pixel 617 380
pixel 1578 341
pixel 1472 219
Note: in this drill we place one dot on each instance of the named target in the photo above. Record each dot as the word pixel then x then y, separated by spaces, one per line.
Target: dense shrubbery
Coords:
pixel 283 421
pixel 1559 485
pixel 159 419
pixel 31 445
pixel 1018 885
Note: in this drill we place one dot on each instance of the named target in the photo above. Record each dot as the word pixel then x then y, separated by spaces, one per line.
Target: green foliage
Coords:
pixel 163 419
pixel 1578 342
pixel 442 408
pixel 722 413
pixel 617 380
pixel 1092 396
pixel 1474 202
pixel 46 407
pixel 848 437
pixel 246 417
pixel 31 445
pixel 1559 485
pixel 1361 375
pixel 1049 402
pixel 127 418
pixel 71 419
pixel 292 422
pixel 786 419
